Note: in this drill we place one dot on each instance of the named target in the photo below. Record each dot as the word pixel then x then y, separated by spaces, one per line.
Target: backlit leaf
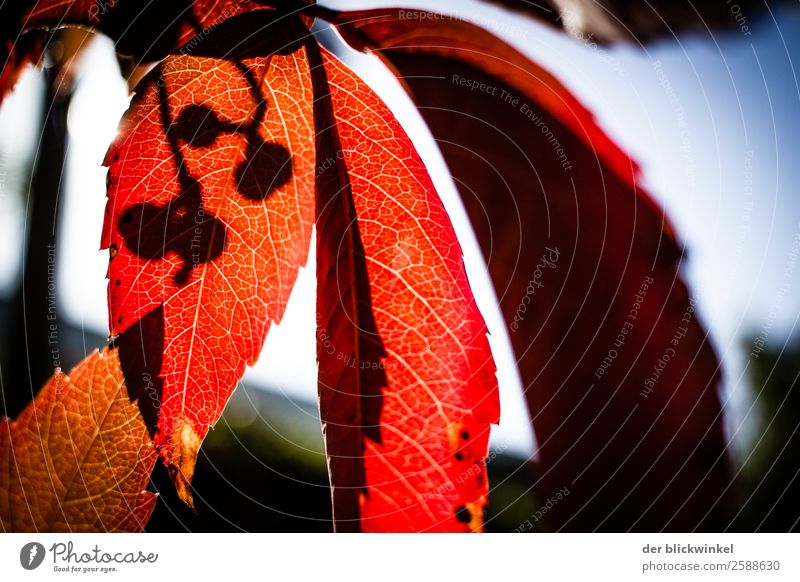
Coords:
pixel 406 378
pixel 209 215
pixel 78 458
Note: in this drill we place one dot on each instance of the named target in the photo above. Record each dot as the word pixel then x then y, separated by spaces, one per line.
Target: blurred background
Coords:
pixel 712 119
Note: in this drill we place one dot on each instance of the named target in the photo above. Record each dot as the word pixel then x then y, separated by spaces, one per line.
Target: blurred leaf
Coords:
pixel 586 268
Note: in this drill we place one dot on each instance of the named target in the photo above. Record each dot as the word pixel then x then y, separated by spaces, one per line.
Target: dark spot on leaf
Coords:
pixel 463 515
pixel 112 250
pixel 117 282
pixel 459 456
pixel 182 226
pixel 198 126
pixel 266 167
pixel 464 434
pixel 119 320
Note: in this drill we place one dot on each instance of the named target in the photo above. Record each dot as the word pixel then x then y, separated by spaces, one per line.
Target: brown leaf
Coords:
pixel 586 267
pixel 78 458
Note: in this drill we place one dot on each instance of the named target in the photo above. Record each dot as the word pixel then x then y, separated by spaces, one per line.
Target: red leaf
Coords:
pixel 574 247
pixel 407 385
pixel 78 458
pixel 208 220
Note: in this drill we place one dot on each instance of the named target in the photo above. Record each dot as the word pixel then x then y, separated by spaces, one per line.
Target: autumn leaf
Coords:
pixel 619 375
pixel 209 216
pixel 78 458
pixel 406 378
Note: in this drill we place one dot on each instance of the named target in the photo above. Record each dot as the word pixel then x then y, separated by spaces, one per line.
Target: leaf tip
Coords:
pixel 185 445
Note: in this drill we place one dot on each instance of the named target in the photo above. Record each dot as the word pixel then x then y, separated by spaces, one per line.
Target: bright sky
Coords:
pixel 713 123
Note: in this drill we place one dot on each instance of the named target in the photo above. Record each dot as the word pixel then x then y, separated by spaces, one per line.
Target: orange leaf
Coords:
pixel 78 458
pixel 209 215
pixel 406 378
pixel 587 270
